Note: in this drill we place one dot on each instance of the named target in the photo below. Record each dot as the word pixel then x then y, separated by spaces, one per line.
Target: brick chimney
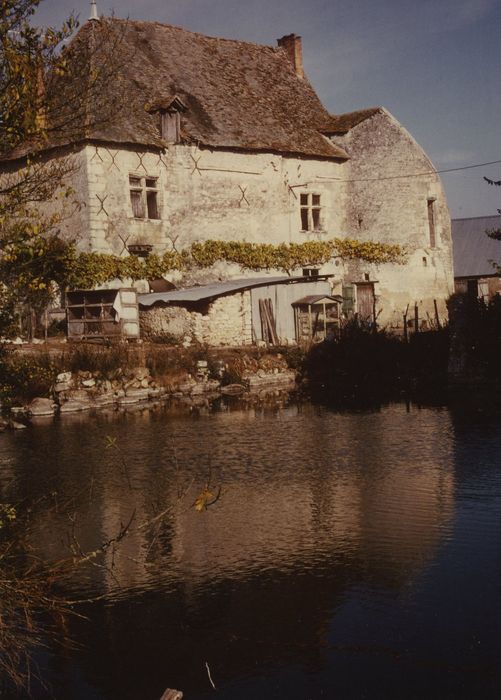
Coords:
pixel 292 44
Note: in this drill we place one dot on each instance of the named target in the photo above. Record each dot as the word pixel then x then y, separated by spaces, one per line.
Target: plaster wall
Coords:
pixel 387 200
pixel 206 194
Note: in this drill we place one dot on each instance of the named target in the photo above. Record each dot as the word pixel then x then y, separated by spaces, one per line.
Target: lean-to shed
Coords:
pixel 235 312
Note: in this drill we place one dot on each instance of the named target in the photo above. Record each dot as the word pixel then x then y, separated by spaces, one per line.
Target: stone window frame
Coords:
pixel 311 212
pixel 143 195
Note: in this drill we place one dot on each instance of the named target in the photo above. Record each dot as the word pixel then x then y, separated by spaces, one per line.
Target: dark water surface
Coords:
pixel 351 555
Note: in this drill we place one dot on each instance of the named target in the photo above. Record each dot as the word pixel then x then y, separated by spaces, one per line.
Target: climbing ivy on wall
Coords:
pixel 89 269
pixel 47 260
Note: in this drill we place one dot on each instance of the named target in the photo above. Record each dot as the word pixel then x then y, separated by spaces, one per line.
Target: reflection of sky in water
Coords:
pixel 345 548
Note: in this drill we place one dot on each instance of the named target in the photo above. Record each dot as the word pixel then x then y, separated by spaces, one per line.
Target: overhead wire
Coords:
pixel 423 174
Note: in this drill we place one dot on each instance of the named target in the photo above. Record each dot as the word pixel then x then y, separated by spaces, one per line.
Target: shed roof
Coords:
pixel 316 298
pixel 217 289
pixel 473 249
pixel 234 94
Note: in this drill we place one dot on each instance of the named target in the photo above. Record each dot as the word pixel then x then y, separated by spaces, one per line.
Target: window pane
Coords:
pixel 151 199
pixel 151 182
pixel 134 181
pixel 315 215
pixel 303 199
pixel 137 204
pixel 304 219
pixel 315 200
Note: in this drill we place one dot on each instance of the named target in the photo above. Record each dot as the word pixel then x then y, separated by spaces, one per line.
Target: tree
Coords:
pixel 26 56
pixel 46 88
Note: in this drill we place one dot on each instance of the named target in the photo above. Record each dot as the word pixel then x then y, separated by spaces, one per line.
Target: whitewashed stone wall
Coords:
pixel 381 205
pixel 255 197
pixel 226 321
pixel 205 194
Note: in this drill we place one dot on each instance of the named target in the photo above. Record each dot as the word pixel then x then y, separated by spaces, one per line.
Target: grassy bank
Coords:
pixel 31 371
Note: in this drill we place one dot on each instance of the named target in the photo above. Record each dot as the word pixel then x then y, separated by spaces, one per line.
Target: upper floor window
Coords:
pixel 144 196
pixel 311 212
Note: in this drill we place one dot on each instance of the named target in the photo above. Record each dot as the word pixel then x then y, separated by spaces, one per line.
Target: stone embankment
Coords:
pixel 84 391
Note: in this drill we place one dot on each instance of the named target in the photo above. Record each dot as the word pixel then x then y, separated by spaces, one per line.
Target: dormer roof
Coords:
pixel 166 104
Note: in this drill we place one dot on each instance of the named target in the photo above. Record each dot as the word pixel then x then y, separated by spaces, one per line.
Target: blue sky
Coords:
pixel 435 64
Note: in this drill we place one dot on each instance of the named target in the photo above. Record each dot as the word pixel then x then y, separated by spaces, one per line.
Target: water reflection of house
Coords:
pixel 352 494
pixel 475 256
pixel 302 521
pixel 368 505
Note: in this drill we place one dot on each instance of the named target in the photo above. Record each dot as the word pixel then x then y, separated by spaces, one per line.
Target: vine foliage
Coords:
pixel 44 261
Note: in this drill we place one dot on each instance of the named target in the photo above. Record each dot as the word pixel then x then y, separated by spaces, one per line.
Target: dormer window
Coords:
pixel 170 126
pixel 170 110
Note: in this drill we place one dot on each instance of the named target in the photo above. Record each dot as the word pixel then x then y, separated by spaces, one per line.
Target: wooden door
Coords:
pixel 365 301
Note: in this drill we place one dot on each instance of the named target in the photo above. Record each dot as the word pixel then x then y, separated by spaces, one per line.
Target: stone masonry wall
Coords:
pixel 228 321
pixel 387 200
pixel 205 194
pixel 165 321
pixel 255 197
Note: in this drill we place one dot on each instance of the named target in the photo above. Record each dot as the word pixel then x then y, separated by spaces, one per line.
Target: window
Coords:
pixel 143 197
pixel 431 222
pixel 311 212
pixel 170 126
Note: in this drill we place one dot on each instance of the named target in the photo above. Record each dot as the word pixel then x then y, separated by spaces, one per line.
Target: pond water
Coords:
pixel 350 554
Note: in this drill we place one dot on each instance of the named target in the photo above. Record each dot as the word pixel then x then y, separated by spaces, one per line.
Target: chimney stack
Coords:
pixel 292 45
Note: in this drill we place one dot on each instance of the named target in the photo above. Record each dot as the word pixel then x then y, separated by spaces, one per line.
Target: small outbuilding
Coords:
pixel 238 312
pixel 102 314
pixel 317 317
pixel 476 256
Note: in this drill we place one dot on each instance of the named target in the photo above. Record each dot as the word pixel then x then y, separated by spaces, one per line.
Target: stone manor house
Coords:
pixel 214 138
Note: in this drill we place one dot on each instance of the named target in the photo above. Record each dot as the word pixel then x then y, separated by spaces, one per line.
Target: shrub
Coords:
pixel 370 365
pixel 103 361
pixel 23 377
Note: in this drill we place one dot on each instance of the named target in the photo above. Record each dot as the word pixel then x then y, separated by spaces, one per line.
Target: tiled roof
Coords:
pixel 237 95
pixel 342 123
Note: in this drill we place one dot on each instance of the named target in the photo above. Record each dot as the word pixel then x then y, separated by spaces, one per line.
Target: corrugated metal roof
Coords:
pixel 473 249
pixel 217 289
